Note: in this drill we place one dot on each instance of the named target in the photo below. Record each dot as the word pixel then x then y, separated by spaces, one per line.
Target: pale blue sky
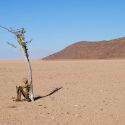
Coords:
pixel 55 24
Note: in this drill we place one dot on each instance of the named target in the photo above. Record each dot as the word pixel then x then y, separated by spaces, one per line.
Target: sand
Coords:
pixel 93 93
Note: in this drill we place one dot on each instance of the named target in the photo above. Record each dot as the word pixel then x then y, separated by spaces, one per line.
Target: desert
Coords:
pixel 62 62
pixel 92 92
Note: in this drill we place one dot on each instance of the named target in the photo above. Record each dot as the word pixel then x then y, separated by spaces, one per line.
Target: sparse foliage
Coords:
pixel 19 33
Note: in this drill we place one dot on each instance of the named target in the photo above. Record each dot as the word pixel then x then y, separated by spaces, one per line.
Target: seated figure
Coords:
pixel 23 90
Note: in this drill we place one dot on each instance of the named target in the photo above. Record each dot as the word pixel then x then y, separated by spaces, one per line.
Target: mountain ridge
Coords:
pixel 105 49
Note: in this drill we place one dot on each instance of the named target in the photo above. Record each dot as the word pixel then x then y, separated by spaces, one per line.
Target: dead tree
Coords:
pixel 19 33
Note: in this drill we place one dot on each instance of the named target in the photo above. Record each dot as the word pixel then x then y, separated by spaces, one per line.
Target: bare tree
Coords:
pixel 19 33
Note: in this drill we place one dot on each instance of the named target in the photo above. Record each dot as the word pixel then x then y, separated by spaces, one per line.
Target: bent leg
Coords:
pixel 18 94
pixel 25 94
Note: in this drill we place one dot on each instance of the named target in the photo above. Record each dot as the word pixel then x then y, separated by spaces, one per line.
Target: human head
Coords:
pixel 25 80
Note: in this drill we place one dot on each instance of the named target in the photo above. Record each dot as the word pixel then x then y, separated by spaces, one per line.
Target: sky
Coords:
pixel 55 24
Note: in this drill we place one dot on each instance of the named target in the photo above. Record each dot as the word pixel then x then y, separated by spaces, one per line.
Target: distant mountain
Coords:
pixel 92 50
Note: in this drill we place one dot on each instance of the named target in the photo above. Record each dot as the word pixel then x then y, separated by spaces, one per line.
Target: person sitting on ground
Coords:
pixel 23 90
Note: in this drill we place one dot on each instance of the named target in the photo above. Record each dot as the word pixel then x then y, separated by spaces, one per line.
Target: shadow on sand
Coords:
pixel 51 93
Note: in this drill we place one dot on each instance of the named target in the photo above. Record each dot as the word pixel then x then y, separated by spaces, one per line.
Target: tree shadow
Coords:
pixel 51 93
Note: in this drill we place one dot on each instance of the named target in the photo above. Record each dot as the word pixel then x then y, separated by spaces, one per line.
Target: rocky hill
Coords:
pixel 92 50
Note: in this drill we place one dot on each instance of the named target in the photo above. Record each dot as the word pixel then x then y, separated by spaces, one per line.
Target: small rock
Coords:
pixel 40 105
pixel 13 106
pixel 84 106
pixel 101 109
pixel 45 107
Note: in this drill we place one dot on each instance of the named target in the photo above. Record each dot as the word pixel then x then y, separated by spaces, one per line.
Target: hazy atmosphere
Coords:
pixel 73 71
pixel 55 24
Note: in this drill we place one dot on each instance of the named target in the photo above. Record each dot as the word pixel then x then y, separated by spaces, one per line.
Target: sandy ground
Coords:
pixel 93 93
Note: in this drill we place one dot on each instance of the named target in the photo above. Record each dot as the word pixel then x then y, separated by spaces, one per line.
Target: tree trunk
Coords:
pixel 21 40
pixel 31 94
